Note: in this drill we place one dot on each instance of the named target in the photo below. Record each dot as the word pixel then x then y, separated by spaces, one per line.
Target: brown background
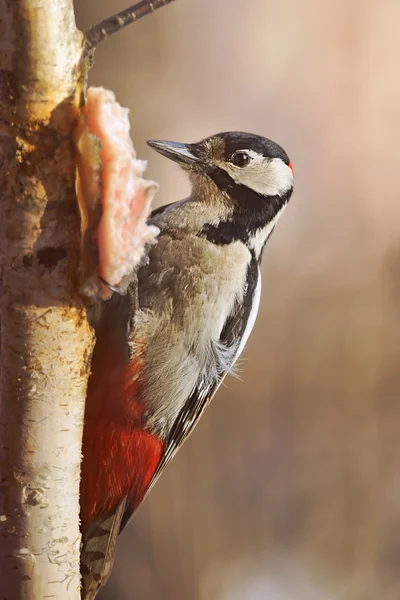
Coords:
pixel 290 487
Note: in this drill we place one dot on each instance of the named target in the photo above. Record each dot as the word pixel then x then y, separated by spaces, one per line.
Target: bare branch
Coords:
pixel 100 32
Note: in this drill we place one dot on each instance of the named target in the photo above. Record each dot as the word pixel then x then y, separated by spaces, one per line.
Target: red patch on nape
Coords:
pixel 291 167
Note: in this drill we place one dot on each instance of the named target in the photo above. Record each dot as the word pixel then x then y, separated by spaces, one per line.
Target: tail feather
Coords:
pixel 99 544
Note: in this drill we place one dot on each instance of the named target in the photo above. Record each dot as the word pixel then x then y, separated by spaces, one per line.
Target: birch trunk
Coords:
pixel 45 340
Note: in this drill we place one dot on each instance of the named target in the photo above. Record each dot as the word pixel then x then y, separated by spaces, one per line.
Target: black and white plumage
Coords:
pixel 203 276
pixel 185 321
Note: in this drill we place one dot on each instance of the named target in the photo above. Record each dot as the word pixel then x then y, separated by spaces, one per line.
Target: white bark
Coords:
pixel 45 340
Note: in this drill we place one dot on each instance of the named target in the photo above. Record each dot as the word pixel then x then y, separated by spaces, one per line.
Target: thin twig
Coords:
pixel 100 32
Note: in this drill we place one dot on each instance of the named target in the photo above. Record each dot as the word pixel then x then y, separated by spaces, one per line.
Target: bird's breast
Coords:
pixel 186 294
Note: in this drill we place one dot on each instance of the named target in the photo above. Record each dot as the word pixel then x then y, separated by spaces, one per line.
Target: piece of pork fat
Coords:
pixel 114 198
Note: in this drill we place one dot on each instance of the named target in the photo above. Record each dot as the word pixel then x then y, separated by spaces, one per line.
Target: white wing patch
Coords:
pixel 252 317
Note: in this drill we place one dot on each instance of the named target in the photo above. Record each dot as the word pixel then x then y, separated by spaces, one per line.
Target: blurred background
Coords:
pixel 290 487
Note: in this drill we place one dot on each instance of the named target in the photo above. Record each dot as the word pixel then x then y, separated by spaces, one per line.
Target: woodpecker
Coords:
pixel 163 349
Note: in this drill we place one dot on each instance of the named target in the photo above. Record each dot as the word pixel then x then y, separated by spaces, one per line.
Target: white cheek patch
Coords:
pixel 266 176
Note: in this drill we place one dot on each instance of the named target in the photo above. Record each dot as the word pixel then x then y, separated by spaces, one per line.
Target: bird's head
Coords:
pixel 244 180
pixel 235 159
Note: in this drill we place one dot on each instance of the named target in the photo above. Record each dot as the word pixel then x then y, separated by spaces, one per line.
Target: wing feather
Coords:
pixel 231 337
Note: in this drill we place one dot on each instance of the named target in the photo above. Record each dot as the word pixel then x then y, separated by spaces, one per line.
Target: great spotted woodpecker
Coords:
pixel 163 349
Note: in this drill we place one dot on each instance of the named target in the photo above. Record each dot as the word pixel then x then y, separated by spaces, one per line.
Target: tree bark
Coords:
pixel 45 339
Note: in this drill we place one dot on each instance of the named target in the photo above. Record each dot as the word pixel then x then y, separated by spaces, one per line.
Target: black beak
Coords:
pixel 183 154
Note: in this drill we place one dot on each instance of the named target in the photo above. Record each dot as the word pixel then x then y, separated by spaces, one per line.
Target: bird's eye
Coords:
pixel 240 159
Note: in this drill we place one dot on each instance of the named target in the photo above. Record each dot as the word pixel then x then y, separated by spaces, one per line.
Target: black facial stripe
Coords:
pixel 252 211
pixel 246 198
pixel 243 225
pixel 224 181
pixel 227 232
